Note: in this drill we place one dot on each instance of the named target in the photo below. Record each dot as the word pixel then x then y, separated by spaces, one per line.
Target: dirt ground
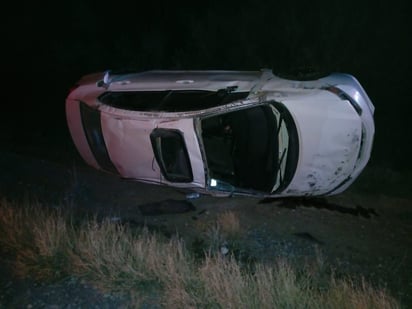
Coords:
pixel 364 231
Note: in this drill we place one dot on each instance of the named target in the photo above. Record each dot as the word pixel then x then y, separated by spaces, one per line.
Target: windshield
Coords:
pixel 248 149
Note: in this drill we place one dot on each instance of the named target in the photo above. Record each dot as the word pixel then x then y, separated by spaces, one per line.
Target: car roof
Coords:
pixel 212 80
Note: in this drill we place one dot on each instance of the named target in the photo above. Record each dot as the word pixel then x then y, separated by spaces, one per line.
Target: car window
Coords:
pixel 288 147
pixel 171 154
pixel 170 101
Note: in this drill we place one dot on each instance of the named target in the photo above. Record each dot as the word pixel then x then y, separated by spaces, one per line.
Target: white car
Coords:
pixel 224 132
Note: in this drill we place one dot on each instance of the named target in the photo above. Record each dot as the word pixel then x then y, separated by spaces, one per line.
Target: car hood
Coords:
pixel 330 134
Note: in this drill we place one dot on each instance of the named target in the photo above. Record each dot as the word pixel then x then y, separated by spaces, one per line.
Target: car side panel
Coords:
pixel 129 147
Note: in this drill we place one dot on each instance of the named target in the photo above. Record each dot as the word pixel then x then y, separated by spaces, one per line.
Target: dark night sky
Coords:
pixel 47 48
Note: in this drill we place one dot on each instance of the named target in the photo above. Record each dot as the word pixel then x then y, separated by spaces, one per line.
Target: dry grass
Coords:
pixel 114 257
pixel 346 294
pixel 38 238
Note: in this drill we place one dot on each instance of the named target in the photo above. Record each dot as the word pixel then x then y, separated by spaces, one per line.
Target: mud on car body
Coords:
pixel 224 132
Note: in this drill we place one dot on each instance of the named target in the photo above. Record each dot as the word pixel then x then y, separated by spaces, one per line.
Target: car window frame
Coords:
pixel 156 137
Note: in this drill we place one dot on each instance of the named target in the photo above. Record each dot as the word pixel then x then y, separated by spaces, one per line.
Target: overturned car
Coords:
pixel 224 132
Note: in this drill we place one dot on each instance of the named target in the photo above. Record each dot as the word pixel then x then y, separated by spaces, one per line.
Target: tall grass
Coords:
pixel 45 244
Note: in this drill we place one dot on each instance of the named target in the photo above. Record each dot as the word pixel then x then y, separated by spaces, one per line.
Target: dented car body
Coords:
pixel 224 132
